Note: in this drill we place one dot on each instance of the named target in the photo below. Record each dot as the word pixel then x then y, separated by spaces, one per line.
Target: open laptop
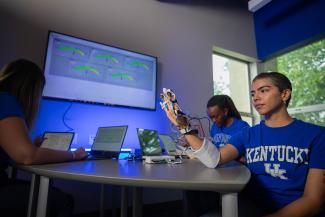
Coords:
pixel 108 142
pixel 150 146
pixel 57 140
pixel 169 144
pixel 149 142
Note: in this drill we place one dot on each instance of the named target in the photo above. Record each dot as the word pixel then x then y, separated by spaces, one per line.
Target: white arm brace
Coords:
pixel 208 154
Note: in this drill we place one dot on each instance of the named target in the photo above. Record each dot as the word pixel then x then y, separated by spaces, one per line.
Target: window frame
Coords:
pixel 251 70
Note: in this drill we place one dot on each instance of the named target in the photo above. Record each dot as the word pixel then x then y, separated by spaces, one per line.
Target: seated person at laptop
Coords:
pixel 285 155
pixel 21 86
pixel 226 119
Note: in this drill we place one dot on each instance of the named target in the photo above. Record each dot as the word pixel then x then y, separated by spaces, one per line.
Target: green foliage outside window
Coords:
pixel 305 67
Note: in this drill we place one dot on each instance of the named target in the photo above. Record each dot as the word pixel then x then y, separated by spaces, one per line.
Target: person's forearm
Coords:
pixel 45 155
pixel 204 150
pixel 303 207
pixel 209 154
pixel 194 141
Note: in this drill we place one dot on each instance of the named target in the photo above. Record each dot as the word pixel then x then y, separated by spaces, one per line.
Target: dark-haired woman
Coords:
pixel 285 155
pixel 226 119
pixel 21 86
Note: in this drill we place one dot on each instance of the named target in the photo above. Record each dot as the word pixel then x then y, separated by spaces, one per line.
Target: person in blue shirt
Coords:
pixel 285 155
pixel 21 86
pixel 226 119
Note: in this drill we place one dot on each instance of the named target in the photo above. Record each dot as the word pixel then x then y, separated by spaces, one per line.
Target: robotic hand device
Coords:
pixel 169 102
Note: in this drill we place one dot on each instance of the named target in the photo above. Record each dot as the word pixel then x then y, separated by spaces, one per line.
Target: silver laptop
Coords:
pixel 169 144
pixel 108 142
pixel 57 140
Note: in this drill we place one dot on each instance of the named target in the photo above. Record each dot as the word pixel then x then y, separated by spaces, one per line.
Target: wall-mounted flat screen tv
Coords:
pixel 86 71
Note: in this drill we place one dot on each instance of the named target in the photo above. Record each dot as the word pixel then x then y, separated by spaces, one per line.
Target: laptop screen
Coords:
pixel 168 142
pixel 57 140
pixel 109 138
pixel 149 142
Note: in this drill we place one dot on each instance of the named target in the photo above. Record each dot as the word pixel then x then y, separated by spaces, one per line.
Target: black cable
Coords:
pixel 70 129
pixel 201 118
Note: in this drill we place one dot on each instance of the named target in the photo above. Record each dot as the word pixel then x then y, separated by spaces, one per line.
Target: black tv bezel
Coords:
pixel 100 103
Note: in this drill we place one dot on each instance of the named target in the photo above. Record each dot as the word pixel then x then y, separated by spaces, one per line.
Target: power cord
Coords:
pixel 70 129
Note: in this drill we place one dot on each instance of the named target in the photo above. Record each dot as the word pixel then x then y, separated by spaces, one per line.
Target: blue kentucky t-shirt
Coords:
pixel 221 135
pixel 279 159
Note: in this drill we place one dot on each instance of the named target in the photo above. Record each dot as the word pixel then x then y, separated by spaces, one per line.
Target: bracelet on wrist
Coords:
pixel 192 132
pixel 188 131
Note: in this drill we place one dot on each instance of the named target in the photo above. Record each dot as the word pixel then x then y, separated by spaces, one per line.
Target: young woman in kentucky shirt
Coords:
pixel 226 119
pixel 285 155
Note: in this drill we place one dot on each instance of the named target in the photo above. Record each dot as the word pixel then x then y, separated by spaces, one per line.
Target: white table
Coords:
pixel 190 175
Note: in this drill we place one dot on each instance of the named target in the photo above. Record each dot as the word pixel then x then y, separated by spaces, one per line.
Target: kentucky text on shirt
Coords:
pixel 221 138
pixel 278 153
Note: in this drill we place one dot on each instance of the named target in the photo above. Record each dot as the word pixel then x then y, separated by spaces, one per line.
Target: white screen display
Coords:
pixel 57 141
pixel 86 71
pixel 109 138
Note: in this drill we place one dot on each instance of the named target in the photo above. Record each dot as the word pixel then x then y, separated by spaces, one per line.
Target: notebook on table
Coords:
pixel 108 142
pixel 57 140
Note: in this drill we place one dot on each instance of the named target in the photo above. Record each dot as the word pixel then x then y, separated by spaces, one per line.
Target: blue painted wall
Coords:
pixel 84 119
pixel 285 23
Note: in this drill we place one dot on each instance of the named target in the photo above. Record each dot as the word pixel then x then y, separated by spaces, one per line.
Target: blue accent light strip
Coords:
pixel 84 119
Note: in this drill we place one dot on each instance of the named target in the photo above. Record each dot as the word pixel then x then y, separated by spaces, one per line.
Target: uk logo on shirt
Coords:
pixel 275 171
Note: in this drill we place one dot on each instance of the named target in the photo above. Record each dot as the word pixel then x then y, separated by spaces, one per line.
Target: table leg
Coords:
pixel 113 196
pixel 137 202
pixel 229 205
pixel 102 200
pixel 42 196
pixel 34 187
pixel 124 201
pixel 185 204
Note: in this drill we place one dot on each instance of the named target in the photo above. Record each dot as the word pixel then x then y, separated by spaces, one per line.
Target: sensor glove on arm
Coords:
pixel 208 154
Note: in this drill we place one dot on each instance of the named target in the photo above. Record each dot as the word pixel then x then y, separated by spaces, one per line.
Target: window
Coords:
pixel 305 67
pixel 232 77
